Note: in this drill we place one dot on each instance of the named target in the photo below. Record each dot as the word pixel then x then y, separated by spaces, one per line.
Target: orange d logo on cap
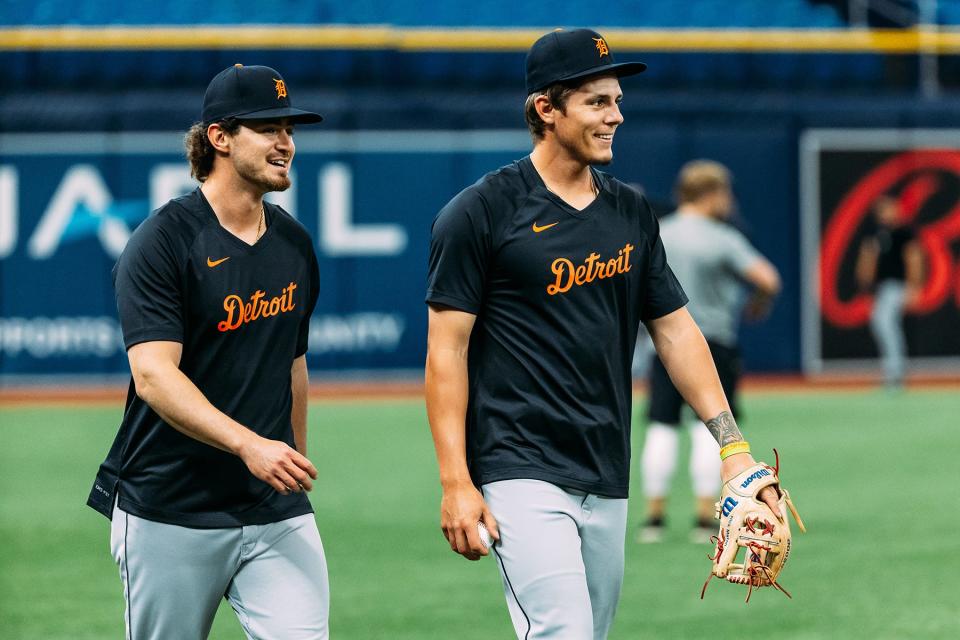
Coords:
pixel 251 93
pixel 566 56
pixel 601 46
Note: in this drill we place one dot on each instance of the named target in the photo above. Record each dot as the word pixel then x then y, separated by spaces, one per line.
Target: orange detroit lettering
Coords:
pixel 258 306
pixel 593 268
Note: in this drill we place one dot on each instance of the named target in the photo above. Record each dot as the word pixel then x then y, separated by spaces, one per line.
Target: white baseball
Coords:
pixel 484 535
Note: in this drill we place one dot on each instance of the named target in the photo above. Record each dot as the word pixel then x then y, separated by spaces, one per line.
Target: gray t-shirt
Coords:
pixel 709 259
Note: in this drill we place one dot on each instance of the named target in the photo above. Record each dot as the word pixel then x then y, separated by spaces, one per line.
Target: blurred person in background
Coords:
pixel 539 277
pixel 205 482
pixel 890 263
pixel 713 262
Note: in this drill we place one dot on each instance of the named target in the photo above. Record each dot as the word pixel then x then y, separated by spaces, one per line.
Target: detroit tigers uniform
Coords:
pixel 558 295
pixel 190 523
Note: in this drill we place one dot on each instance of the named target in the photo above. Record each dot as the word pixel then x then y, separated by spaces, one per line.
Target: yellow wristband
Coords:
pixel 741 446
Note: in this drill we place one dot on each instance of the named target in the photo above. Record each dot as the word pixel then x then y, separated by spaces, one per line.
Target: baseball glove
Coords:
pixel 747 522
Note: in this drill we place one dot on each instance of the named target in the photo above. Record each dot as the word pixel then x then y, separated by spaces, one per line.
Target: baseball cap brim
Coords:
pixel 620 69
pixel 295 115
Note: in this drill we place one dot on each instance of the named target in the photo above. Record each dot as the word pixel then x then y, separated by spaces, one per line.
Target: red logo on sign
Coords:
pixel 913 178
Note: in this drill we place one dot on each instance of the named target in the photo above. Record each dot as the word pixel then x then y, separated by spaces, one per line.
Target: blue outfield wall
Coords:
pixel 68 204
pixel 69 200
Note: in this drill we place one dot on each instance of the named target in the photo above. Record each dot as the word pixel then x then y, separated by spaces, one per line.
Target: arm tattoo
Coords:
pixel 724 429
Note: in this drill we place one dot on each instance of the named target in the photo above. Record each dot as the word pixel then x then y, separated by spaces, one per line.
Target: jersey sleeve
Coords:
pixel 460 248
pixel 148 285
pixel 313 295
pixel 663 291
pixel 740 254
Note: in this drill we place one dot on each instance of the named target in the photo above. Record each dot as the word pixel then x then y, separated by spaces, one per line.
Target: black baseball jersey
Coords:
pixel 242 313
pixel 559 295
pixel 890 262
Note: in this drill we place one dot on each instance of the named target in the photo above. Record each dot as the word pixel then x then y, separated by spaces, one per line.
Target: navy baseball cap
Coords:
pixel 251 93
pixel 561 55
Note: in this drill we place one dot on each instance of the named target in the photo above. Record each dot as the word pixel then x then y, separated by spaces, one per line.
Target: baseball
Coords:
pixel 484 535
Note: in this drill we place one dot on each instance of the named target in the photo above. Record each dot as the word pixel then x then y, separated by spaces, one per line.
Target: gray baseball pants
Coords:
pixel 560 557
pixel 274 575
pixel 886 322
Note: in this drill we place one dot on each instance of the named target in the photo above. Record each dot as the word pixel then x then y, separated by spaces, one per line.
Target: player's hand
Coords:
pixel 278 465
pixel 911 295
pixel 736 463
pixel 758 307
pixel 461 508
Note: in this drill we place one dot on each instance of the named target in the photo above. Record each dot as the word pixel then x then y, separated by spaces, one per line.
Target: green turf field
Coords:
pixel 873 475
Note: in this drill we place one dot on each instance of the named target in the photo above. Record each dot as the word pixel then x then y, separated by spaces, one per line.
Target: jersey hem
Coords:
pixel 666 309
pixel 213 519
pixel 151 336
pixel 452 301
pixel 526 473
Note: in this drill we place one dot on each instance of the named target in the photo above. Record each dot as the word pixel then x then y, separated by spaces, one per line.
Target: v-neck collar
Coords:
pixel 534 177
pixel 234 240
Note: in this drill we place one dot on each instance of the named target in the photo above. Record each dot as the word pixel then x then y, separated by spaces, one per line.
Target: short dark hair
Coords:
pixel 200 153
pixel 558 94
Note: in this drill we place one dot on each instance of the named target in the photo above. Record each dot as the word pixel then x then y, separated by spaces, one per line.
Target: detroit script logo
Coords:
pixel 256 308
pixel 593 268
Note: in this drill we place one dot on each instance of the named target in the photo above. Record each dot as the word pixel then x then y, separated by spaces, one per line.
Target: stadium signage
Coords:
pixel 69 203
pixel 83 205
pixel 844 173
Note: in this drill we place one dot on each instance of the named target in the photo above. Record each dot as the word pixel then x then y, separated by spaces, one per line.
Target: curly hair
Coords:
pixel 200 153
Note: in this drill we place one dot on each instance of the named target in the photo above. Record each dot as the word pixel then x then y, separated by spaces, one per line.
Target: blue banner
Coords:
pixel 68 203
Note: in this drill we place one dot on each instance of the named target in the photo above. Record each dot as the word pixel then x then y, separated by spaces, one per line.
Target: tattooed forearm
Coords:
pixel 724 429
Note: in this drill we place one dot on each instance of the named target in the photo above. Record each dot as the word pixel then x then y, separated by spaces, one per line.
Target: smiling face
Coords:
pixel 261 153
pixel 585 128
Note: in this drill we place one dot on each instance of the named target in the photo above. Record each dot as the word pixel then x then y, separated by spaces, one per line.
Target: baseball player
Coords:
pixel 712 260
pixel 205 482
pixel 890 262
pixel 539 275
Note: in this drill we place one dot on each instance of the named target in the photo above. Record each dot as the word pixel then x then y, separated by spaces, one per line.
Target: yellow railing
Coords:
pixel 892 41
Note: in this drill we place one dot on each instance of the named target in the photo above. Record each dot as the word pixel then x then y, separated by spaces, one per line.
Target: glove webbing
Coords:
pixel 757 570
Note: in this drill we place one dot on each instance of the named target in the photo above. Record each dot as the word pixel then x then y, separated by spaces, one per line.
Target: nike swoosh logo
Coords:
pixel 537 229
pixel 213 263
